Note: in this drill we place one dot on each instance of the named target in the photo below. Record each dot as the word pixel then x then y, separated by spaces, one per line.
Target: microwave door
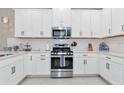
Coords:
pixel 62 34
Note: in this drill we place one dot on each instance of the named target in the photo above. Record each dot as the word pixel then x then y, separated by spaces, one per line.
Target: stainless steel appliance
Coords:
pixel 61 32
pixel 61 61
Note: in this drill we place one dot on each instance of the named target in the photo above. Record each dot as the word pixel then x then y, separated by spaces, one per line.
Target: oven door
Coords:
pixel 61 62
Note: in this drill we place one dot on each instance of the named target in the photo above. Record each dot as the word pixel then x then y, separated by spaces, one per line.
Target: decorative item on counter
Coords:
pixel 74 44
pixel 16 48
pixel 90 47
pixel 7 50
pixel 103 47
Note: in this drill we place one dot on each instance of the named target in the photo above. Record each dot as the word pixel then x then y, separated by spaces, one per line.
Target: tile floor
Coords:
pixel 64 81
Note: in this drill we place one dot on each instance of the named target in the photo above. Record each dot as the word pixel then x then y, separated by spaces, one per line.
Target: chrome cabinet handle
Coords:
pixel 91 33
pixel 13 70
pixel 85 61
pixel 107 66
pixel 42 55
pixel 84 55
pixel 122 27
pixel 42 59
pixel 109 31
pixel 22 33
pixel 80 33
pixel 31 58
pixel 108 57
pixel 41 33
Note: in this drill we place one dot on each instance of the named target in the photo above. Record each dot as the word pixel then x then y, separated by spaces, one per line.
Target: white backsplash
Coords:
pixel 116 44
pixel 42 44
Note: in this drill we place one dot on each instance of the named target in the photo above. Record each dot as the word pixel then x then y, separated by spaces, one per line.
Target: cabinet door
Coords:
pixel 23 27
pixel 75 19
pixel 19 24
pixel 5 75
pixel 12 73
pixel 85 23
pixel 91 66
pixel 41 65
pixel 28 64
pixel 57 17
pixel 96 23
pixel 37 23
pixel 66 17
pixel 28 29
pixel 17 71
pixel 47 23
pixel 106 22
pixel 104 70
pixel 61 17
pixel 117 21
pixel 78 66
pixel 116 73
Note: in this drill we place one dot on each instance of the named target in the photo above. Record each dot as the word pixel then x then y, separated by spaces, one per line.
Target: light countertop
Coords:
pixel 120 55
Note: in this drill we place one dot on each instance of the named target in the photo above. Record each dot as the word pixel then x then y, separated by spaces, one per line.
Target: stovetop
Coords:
pixel 61 52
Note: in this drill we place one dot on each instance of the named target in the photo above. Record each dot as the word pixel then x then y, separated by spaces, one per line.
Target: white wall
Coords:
pixel 6 30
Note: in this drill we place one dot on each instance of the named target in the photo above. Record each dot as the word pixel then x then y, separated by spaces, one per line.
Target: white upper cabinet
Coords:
pixel 96 23
pixel 117 21
pixel 47 25
pixel 61 17
pixel 86 23
pixel 19 24
pixel 33 22
pixel 75 19
pixel 112 21
pixel 106 22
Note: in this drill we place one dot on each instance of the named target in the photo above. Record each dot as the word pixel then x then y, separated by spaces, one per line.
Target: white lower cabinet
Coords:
pixel 37 64
pixel 85 65
pixel 78 66
pixel 41 64
pixel 28 64
pixel 111 70
pixel 11 73
pixel 91 65
pixel 5 75
pixel 117 72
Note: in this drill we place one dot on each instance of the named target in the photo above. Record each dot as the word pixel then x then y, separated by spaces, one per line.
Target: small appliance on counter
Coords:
pixel 16 48
pixel 103 47
pixel 90 47
pixel 27 47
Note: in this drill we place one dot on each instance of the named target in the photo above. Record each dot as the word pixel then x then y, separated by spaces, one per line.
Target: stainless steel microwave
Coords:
pixel 61 32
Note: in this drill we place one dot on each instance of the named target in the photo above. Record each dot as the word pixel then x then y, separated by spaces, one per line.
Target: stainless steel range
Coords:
pixel 61 61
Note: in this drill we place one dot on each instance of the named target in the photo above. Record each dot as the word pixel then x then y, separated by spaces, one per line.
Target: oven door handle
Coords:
pixel 64 61
pixel 61 61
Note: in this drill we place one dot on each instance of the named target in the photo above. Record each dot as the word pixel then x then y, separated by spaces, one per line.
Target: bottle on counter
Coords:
pixel 90 47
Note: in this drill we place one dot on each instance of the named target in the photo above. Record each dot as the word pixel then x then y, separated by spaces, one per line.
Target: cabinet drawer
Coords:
pixel 84 55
